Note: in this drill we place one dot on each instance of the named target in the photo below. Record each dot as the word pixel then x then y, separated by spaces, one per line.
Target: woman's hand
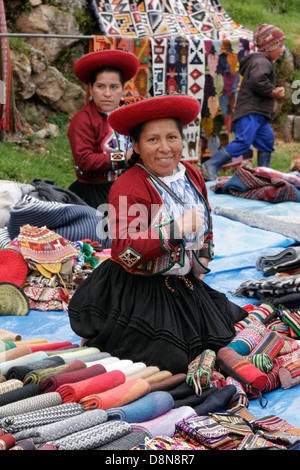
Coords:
pixel 191 221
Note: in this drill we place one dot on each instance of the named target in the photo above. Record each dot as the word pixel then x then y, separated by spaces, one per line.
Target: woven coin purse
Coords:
pixel 199 373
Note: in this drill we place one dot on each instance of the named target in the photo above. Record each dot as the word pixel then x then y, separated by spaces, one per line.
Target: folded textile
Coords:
pixel 216 401
pixel 274 290
pixel 6 335
pixel 249 184
pixel 239 398
pixel 52 382
pixel 16 423
pixel 26 444
pixel 8 385
pixel 119 365
pixel 261 221
pixel 43 433
pixel 127 442
pixel 168 383
pixel 164 425
pixel 195 400
pixel 289 373
pixel 247 339
pixel 74 353
pixel 262 314
pixel 20 371
pixel 36 376
pixel 75 392
pixel 169 443
pixel 204 430
pixel 49 346
pixel 158 376
pixel 6 345
pixel 21 393
pixel 118 396
pixel 181 391
pixel 286 260
pixel 93 437
pixel 36 356
pixel 133 368
pixel 148 407
pixel 34 403
pixel 71 221
pixel 7 441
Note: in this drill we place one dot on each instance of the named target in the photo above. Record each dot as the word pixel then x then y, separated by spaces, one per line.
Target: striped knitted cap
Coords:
pixel 267 37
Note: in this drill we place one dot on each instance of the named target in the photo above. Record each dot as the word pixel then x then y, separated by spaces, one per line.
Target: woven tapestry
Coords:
pixel 166 18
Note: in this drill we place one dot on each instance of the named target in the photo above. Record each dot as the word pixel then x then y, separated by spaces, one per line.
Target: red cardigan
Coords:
pixel 88 133
pixel 140 224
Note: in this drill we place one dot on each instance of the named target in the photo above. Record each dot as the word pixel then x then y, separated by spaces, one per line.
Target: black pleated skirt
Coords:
pixel 160 320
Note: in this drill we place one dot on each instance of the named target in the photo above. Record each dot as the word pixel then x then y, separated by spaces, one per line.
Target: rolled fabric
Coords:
pixel 248 338
pixel 195 400
pixel 6 335
pixel 52 414
pixel 7 441
pixel 158 376
pixel 75 392
pixel 14 353
pixel 49 346
pixel 29 358
pixel 134 368
pixel 271 344
pixel 236 366
pixel 36 376
pixel 74 353
pixel 262 361
pixel 52 382
pixel 30 404
pixel 148 407
pixel 143 373
pixel 20 371
pixel 48 432
pixel 119 365
pixel 21 393
pixel 93 437
pixel 164 425
pixel 168 383
pixel 127 442
pixel 6 345
pixel 289 373
pixel 9 385
pixel 216 401
pixel 181 391
pixel 117 396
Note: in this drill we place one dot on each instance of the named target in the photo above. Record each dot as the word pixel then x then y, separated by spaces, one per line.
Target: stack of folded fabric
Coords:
pixel 62 396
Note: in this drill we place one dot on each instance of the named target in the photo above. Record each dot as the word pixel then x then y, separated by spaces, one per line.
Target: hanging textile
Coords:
pixel 9 120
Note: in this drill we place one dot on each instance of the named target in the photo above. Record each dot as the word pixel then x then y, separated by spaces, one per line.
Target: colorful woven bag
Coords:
pixel 199 373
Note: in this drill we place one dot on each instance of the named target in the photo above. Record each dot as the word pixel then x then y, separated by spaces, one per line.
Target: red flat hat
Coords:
pixel 183 107
pixel 14 268
pixel 126 61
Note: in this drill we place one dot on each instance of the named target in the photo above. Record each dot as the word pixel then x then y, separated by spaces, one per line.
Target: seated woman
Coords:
pixel 149 301
pixel 99 153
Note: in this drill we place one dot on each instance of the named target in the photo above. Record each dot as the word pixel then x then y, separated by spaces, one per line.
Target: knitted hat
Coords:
pixel 267 37
pixel 183 107
pixel 126 61
pixel 14 268
pixel 13 300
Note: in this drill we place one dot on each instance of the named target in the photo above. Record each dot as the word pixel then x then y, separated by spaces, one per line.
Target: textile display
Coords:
pixel 9 118
pixel 216 401
pixel 168 443
pixel 13 267
pixel 9 385
pixel 48 432
pixel 251 183
pixel 169 383
pixel 145 408
pixel 49 415
pixel 20 371
pixel 200 370
pixel 204 430
pixel 7 441
pixel 13 300
pixel 194 399
pixel 289 373
pixel 38 375
pixel 14 353
pixel 93 437
pixel 32 357
pixel 127 442
pixel 143 373
pixel 25 444
pixel 286 260
pixel 164 424
pixel 247 339
pixel 180 18
pixel 31 404
pixel 75 392
pixel 117 396
pixel 271 344
pixel 52 382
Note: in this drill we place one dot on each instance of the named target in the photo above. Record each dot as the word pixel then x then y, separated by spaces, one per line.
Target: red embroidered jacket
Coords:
pixel 90 138
pixel 140 225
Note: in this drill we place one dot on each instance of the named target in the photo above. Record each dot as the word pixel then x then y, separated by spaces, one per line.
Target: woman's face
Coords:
pixel 160 146
pixel 107 91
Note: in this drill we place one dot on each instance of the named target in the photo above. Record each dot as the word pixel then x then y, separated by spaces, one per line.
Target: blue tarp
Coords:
pixel 237 246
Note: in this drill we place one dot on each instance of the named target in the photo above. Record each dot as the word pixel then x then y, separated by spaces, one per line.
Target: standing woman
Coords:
pixel 149 301
pixel 99 152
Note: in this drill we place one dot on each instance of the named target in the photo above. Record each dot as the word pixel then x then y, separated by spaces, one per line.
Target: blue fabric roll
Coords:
pixel 148 407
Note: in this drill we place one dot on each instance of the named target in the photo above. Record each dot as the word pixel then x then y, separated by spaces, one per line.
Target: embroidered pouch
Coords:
pixel 199 373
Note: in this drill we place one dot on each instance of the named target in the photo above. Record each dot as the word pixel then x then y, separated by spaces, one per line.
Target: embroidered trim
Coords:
pixel 129 257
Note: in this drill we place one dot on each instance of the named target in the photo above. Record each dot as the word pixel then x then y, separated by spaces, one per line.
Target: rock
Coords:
pixel 297 128
pixel 48 19
pixel 24 87
pixel 47 131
